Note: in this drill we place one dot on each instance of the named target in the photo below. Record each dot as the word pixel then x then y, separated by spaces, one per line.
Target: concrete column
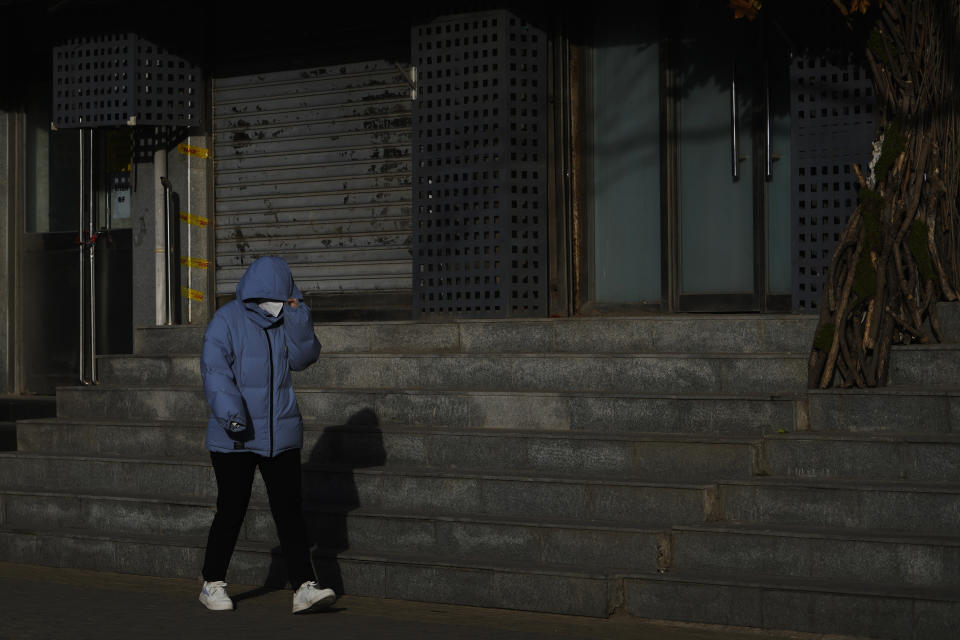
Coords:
pixel 159 220
pixel 144 197
pixel 190 167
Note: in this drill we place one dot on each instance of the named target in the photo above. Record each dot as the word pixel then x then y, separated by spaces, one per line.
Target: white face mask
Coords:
pixel 271 307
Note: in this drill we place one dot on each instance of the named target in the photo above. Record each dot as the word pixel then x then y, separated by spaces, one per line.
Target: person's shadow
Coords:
pixel 330 488
pixel 329 495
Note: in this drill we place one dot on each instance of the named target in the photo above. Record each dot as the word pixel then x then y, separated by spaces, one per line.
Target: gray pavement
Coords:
pixel 42 602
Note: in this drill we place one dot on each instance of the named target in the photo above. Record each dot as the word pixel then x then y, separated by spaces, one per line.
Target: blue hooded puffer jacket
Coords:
pixel 246 362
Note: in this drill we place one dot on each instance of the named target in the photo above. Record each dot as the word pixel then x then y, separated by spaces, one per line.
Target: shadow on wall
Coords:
pixel 330 494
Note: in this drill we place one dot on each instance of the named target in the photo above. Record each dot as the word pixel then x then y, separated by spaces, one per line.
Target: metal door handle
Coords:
pixel 734 117
pixel 766 120
pixel 168 240
pixel 88 256
pixel 83 333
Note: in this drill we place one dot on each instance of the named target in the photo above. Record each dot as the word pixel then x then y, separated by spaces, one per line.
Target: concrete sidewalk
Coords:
pixel 43 602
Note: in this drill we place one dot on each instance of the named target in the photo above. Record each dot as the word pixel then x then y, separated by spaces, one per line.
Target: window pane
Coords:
pixel 778 216
pixel 626 162
pixel 716 209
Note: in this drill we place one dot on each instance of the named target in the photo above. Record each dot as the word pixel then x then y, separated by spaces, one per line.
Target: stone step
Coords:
pixel 22 407
pixel 870 557
pixel 926 457
pixel 647 334
pixel 949 316
pixel 926 365
pixel 506 585
pixel 721 414
pixel 609 500
pixel 898 409
pixel 806 605
pixel 927 507
pixel 8 436
pixel 606 373
pixel 651 457
pixel 537 542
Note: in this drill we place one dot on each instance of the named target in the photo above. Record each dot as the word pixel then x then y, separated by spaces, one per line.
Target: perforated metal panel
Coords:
pixel 122 79
pixel 832 127
pixel 479 197
pixel 314 165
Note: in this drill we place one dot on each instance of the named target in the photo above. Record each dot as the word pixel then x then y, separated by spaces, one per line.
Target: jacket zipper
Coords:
pixel 270 351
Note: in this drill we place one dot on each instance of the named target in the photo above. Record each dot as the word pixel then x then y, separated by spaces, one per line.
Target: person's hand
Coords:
pixel 236 430
pixel 293 303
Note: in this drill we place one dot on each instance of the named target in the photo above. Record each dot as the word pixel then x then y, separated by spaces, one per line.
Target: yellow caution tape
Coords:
pixel 192 294
pixel 198 221
pixel 196 263
pixel 188 150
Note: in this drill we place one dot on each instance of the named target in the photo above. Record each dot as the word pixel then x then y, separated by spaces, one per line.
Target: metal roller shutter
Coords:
pixel 314 165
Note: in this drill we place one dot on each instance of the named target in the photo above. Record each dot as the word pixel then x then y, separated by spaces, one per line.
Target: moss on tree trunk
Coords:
pixel 898 255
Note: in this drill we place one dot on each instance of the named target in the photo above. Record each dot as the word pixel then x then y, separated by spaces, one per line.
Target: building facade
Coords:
pixel 447 161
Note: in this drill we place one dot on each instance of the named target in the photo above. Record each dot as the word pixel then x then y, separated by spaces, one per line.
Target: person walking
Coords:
pixel 249 349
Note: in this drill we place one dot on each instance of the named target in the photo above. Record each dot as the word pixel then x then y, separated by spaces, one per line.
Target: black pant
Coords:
pixel 281 475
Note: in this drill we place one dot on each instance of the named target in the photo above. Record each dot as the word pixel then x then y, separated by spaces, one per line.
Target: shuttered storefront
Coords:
pixel 314 165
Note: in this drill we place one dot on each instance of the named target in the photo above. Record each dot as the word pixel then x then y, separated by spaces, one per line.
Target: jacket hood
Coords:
pixel 269 278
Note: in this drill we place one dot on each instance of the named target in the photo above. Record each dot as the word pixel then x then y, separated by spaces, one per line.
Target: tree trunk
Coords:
pixel 898 255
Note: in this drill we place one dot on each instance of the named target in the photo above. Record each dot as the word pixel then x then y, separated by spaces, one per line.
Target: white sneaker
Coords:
pixel 214 596
pixel 309 598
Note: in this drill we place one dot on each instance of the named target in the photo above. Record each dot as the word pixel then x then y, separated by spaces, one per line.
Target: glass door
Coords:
pixel 687 138
pixel 75 275
pixel 624 161
pixel 731 136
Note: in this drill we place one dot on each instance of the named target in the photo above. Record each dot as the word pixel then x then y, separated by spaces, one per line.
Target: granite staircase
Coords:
pixel 852 526
pixel 669 467
pixel 17 407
